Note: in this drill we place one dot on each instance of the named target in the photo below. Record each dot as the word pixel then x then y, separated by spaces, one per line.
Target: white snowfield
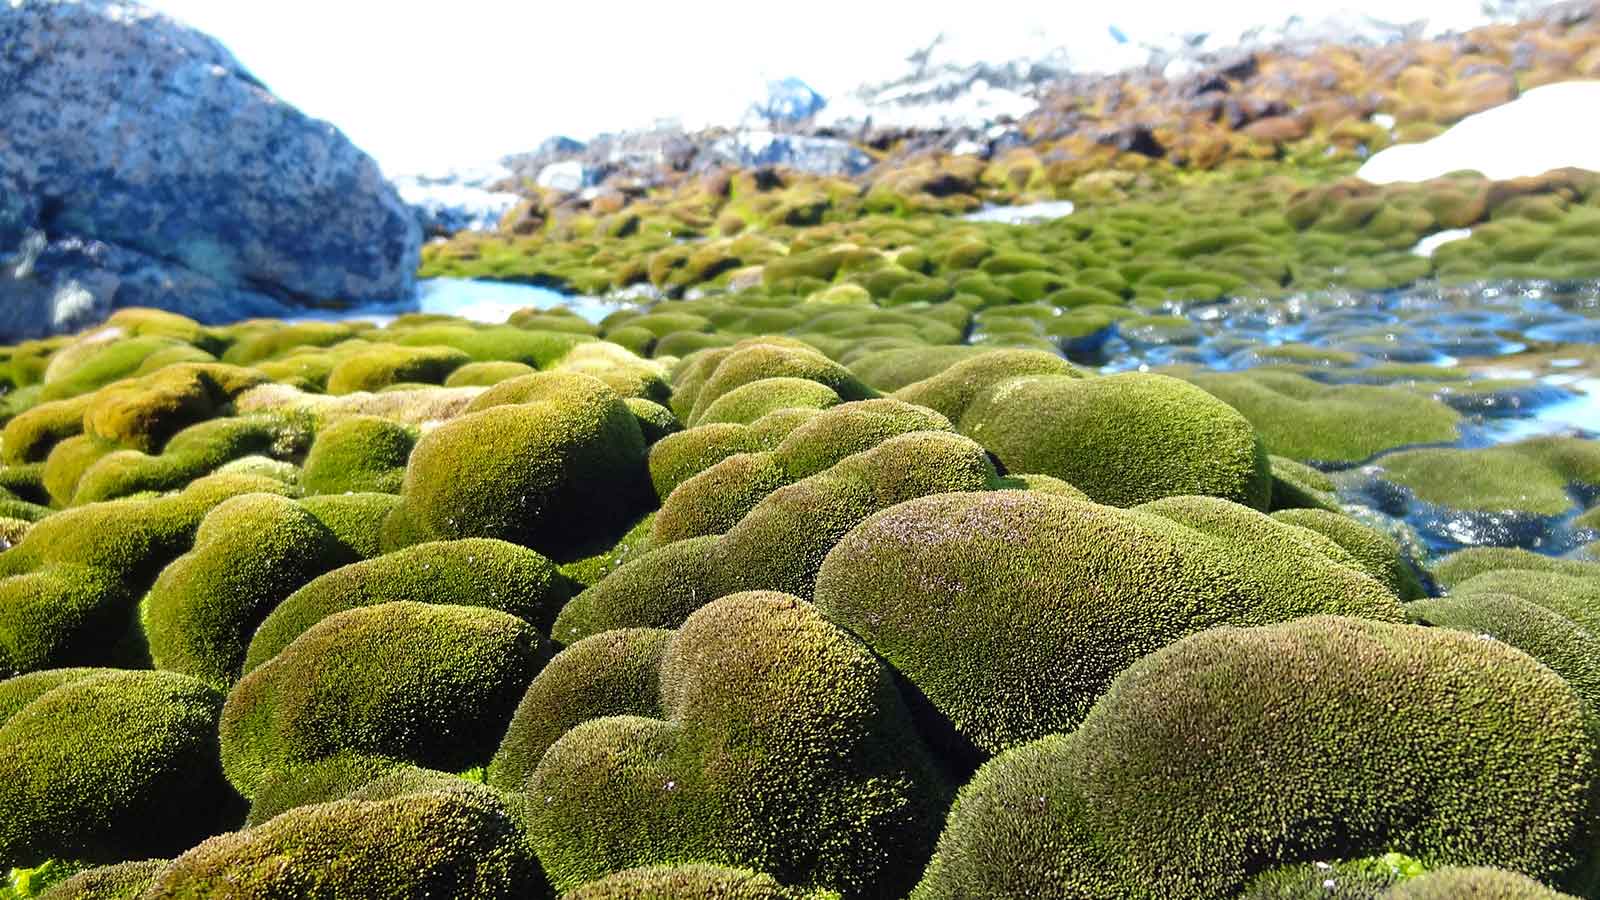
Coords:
pixel 1550 127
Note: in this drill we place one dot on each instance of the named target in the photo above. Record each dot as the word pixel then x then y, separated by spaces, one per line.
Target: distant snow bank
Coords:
pixel 1549 127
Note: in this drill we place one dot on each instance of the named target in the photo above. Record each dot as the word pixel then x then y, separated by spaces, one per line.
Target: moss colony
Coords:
pixel 876 553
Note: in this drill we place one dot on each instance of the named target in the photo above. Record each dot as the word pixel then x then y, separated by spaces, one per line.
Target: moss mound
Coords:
pixel 1237 751
pixel 1530 476
pixel 360 454
pixel 778 720
pixel 249 554
pixel 122 881
pixel 110 767
pixel 1568 648
pixel 429 684
pixel 1462 565
pixel 479 572
pixel 548 461
pixel 1010 612
pixel 1122 439
pixel 457 842
pixel 69 591
pixel 954 388
pixel 692 882
pixel 1475 881
pixel 1378 554
pixel 1308 421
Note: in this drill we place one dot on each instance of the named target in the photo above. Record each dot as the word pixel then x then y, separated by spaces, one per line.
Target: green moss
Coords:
pixel 113 766
pixel 191 453
pixel 955 388
pixel 749 402
pixel 356 520
pixel 678 457
pixel 429 684
pixel 483 374
pixel 562 461
pixel 615 673
pixel 30 436
pixel 96 359
pixel 477 572
pixel 781 542
pixel 69 591
pixel 1122 439
pixel 1377 553
pixel 1011 611
pixel 359 454
pixel 716 498
pixel 693 882
pixel 662 587
pixel 277 338
pixel 321 781
pixel 752 361
pixel 539 349
pixel 1462 565
pixel 1530 476
pixel 1355 879
pixel 655 421
pixel 249 554
pixel 1570 649
pixel 378 367
pixel 122 881
pixel 765 706
pixel 67 462
pixel 1237 751
pixel 16 693
pixel 1298 486
pixel 1304 420
pixel 461 841
pixel 1473 881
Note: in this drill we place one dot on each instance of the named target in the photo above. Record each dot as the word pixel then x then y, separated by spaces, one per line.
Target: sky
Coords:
pixel 430 84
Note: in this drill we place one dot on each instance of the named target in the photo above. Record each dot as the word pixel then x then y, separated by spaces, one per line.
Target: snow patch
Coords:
pixel 1549 127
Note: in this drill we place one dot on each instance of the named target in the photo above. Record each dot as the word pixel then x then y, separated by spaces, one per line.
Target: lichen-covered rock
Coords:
pixel 1011 611
pixel 1236 751
pixel 94 78
pixel 780 745
pixel 112 766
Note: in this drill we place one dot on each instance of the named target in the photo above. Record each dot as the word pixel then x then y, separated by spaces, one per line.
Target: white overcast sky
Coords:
pixel 433 83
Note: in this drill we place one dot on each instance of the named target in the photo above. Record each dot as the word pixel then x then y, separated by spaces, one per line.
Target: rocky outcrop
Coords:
pixel 143 165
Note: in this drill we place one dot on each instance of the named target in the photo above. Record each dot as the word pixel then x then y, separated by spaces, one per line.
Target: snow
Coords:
pixel 1549 127
pixel 1432 242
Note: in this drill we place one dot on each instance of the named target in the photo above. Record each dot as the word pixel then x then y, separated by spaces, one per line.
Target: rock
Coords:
pixel 163 174
pixel 458 200
pixel 570 176
pixel 789 100
pixel 554 149
pixel 818 156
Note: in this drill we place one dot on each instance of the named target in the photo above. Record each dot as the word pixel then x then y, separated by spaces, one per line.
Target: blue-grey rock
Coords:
pixel 818 156
pixel 789 100
pixel 162 173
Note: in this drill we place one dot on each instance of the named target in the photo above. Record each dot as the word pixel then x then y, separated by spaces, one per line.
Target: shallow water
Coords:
pixel 478 301
pixel 1541 335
